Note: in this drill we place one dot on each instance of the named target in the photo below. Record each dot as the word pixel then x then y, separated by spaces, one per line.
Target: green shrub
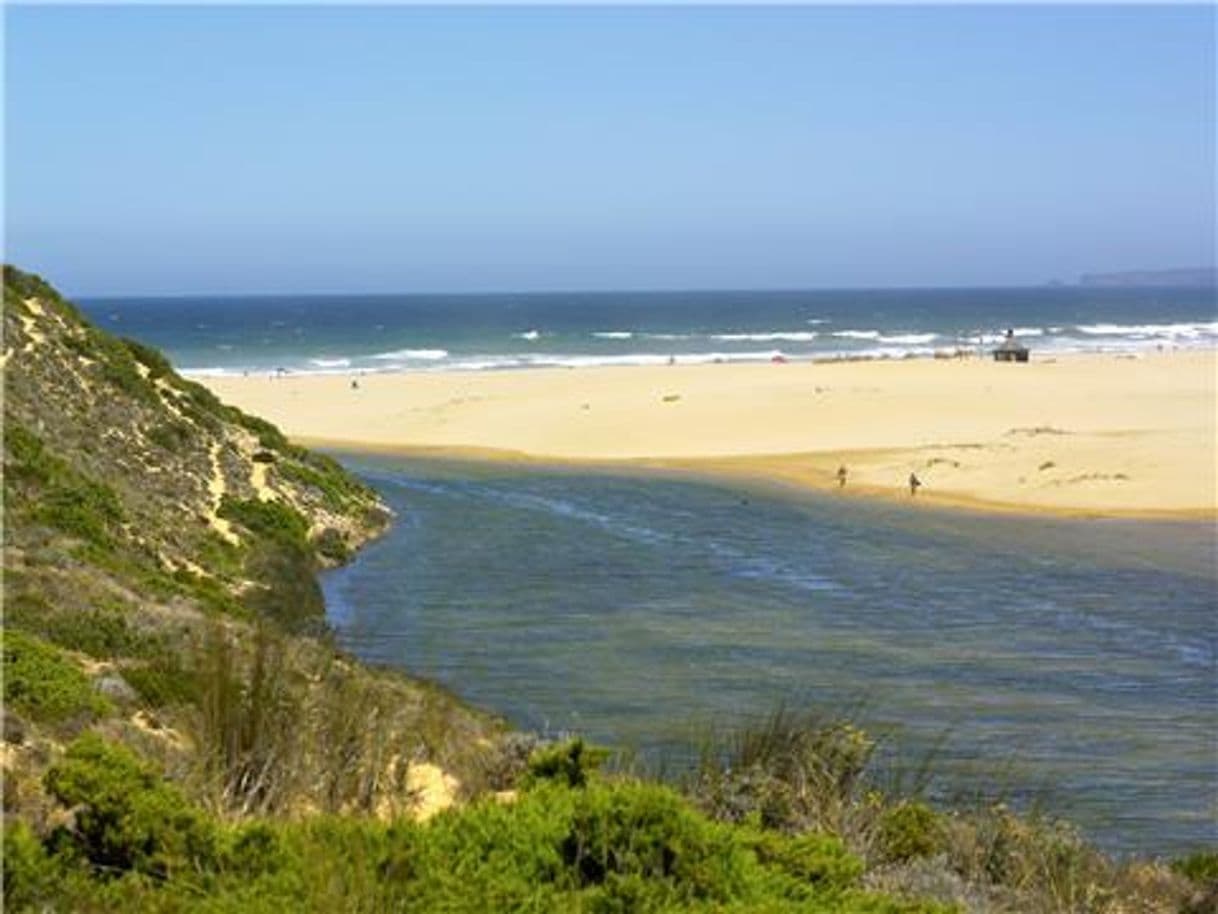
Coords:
pixel 81 508
pixel 324 475
pixel 41 682
pixel 30 874
pixel 820 860
pixel 568 763
pixel 1200 867
pixel 282 559
pixel 62 497
pixel 209 591
pixel 219 556
pixel 127 816
pixel 331 544
pixel 254 849
pixel 115 361
pixel 102 633
pixel 197 403
pixel 27 285
pixel 271 520
pixel 171 435
pixel 639 830
pixel 27 461
pixel 610 847
pixel 158 366
pixel 140 572
pixel 269 436
pixel 164 681
pixel 909 830
pixel 19 285
pixel 291 597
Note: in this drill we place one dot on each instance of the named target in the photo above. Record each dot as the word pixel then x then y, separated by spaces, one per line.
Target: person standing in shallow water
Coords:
pixel 914 483
pixel 841 476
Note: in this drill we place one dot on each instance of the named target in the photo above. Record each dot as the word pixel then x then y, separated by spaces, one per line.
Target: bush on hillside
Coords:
pixel 164 681
pixel 158 366
pixel 41 682
pixel 910 829
pixel 270 520
pixel 104 633
pixel 127 817
pixel 54 492
pixel 569 763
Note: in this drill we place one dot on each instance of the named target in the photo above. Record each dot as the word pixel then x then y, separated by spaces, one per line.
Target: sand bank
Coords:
pixel 1095 434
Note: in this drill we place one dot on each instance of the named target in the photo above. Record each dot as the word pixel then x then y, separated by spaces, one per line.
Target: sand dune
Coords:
pixel 1082 434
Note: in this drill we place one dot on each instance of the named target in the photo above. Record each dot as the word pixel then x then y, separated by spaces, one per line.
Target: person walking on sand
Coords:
pixel 914 483
pixel 841 476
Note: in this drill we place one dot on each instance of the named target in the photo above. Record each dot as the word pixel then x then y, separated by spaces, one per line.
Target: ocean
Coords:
pixel 349 334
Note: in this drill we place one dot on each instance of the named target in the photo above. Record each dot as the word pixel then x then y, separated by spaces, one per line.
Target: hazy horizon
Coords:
pixel 264 150
pixel 674 290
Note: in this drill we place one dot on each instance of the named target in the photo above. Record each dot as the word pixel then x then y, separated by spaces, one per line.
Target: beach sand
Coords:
pixel 1088 434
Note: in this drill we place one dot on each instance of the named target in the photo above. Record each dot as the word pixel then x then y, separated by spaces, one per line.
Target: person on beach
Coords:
pixel 841 476
pixel 914 483
pixel 355 384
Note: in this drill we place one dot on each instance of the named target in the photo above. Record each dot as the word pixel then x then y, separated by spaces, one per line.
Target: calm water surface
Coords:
pixel 1068 662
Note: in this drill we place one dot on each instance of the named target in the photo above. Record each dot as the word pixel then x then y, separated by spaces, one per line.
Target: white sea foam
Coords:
pixel 579 360
pixel 1185 330
pixel 428 355
pixel 995 337
pixel 489 363
pixel 647 358
pixel 797 336
pixel 907 339
pixel 559 360
pixel 716 346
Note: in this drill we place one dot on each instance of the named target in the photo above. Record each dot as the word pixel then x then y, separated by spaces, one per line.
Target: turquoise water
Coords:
pixel 1070 663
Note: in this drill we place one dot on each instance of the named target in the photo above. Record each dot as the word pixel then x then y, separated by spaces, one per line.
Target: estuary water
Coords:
pixel 1070 663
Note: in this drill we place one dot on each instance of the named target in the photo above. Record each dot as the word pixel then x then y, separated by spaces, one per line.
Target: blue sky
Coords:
pixel 260 149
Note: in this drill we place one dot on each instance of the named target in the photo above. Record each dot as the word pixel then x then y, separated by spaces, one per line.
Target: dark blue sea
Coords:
pixel 350 334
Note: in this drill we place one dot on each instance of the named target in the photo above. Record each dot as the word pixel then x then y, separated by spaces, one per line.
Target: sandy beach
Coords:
pixel 1094 435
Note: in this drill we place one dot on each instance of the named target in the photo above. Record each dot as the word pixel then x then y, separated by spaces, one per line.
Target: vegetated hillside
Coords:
pixel 109 447
pixel 160 560
pixel 180 734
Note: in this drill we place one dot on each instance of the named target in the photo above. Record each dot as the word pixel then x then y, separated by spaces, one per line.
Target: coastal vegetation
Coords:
pixel 181 732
